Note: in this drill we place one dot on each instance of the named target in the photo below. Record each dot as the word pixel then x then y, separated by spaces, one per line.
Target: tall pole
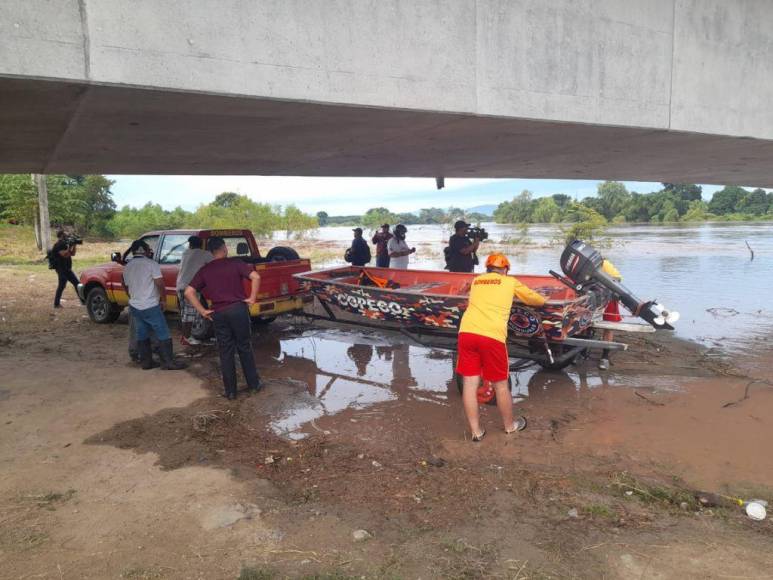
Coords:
pixel 45 222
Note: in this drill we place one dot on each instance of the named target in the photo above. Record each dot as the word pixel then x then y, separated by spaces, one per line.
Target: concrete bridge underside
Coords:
pixel 671 90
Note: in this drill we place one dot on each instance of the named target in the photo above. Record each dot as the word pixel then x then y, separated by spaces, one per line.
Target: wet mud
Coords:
pixel 369 418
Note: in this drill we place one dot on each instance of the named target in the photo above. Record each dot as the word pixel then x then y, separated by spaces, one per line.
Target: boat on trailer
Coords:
pixel 424 302
pixel 431 303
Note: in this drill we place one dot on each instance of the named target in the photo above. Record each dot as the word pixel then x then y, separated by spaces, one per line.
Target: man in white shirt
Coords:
pixel 398 249
pixel 145 287
pixel 193 259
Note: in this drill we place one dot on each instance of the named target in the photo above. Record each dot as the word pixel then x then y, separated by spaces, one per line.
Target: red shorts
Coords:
pixel 482 356
pixel 612 312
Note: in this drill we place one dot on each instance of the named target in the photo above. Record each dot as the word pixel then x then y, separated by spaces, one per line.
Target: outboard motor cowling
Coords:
pixel 582 263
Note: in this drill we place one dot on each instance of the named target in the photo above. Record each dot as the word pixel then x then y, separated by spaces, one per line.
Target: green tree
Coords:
pixel 227 199
pixel 698 211
pixel 562 200
pixel 18 198
pixel 516 211
pixel 322 218
pixel 587 224
pixel 726 200
pixel 376 216
pixel 432 215
pixel 296 222
pixel 754 203
pixel 613 198
pixel 684 191
pixel 546 211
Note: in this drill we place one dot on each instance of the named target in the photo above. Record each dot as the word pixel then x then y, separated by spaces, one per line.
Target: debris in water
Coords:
pixel 720 312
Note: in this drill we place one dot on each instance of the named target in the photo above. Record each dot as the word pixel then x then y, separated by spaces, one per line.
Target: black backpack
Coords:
pixel 447 255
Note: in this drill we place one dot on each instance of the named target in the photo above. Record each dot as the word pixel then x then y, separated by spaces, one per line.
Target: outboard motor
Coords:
pixel 581 264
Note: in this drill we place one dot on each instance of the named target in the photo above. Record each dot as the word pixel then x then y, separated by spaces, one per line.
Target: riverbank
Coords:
pixel 110 472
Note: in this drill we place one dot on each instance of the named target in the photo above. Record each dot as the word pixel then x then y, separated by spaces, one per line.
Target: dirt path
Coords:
pixel 112 472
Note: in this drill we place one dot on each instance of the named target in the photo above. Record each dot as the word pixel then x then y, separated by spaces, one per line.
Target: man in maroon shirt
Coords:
pixel 222 280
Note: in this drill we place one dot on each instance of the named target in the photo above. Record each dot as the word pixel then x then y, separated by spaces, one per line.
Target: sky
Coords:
pixel 347 195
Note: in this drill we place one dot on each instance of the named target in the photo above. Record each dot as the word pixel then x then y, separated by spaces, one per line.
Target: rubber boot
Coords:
pixel 145 355
pixel 168 362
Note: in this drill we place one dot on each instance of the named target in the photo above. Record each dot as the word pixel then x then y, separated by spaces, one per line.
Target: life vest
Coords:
pixel 368 279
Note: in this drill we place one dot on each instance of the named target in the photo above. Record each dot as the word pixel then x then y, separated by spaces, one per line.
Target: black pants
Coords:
pixel 382 261
pixel 232 330
pixel 64 277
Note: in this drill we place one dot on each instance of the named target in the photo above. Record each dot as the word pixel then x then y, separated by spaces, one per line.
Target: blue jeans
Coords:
pixel 150 320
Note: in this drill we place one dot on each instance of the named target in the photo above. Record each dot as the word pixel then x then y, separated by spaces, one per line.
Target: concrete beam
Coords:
pixel 526 88
pixel 96 129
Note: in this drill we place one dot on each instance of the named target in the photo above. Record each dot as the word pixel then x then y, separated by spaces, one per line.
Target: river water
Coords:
pixel 704 271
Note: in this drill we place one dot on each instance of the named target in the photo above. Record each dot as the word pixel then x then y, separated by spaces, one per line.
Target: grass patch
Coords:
pixel 141 573
pixel 465 561
pixel 654 493
pixel 598 510
pixel 250 573
pixel 49 500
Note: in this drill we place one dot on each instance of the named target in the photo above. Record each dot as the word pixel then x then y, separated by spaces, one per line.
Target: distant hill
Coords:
pixel 484 209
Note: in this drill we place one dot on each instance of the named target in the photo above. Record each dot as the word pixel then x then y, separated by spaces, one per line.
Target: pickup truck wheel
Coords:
pixel 202 329
pixel 100 309
pixel 282 254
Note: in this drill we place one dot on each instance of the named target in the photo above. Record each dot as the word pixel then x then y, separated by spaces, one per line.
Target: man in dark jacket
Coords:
pixel 381 239
pixel 359 253
pixel 61 260
pixel 461 249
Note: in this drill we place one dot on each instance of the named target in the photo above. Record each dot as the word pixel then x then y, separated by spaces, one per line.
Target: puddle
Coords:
pixel 325 371
pixel 334 370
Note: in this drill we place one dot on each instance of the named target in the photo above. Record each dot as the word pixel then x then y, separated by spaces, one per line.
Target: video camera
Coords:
pixel 477 233
pixel 72 240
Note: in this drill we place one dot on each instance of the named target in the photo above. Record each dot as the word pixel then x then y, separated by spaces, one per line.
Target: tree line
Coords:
pixel 85 204
pixel 376 216
pixel 675 202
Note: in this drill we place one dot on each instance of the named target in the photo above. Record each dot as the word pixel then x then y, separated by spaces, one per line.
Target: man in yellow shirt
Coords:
pixel 482 345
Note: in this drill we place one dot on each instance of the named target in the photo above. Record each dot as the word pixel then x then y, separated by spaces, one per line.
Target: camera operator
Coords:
pixel 60 259
pixel 461 249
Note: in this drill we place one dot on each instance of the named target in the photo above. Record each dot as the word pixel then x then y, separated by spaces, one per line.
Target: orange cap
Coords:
pixel 497 261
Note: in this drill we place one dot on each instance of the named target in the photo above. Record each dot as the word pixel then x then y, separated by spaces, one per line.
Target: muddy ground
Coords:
pixel 113 472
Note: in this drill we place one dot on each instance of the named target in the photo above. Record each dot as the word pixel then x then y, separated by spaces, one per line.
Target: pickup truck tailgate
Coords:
pixel 276 278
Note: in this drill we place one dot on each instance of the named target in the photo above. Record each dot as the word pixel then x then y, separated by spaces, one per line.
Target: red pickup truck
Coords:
pixel 101 287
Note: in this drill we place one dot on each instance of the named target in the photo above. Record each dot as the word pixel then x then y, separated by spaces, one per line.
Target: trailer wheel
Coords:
pixel 202 329
pixel 282 254
pixel 100 309
pixel 263 321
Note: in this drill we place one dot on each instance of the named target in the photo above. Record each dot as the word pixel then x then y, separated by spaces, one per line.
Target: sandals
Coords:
pixel 478 438
pixel 519 425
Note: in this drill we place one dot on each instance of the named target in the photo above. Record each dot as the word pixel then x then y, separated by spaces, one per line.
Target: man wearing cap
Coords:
pixel 359 252
pixel 381 239
pixel 147 298
pixel 482 347
pixel 461 249
pixel 398 249
pixel 193 259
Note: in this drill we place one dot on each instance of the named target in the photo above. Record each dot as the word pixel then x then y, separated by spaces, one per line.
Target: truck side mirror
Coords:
pixel 115 257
